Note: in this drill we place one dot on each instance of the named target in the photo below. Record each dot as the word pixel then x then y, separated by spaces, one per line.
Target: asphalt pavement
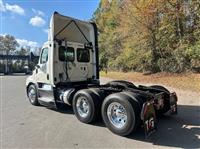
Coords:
pixel 26 126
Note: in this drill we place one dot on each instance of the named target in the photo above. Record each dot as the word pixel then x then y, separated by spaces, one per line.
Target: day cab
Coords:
pixel 68 73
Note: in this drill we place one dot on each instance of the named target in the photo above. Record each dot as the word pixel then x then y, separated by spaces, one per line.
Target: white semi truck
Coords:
pixel 68 72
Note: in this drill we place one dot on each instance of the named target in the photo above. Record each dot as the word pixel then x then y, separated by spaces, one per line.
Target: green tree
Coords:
pixel 149 35
pixel 8 44
pixel 106 17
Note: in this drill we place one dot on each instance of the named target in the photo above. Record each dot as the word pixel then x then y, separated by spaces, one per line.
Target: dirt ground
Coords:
pixel 184 81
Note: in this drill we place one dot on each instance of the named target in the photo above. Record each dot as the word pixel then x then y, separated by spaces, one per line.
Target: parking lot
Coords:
pixel 26 126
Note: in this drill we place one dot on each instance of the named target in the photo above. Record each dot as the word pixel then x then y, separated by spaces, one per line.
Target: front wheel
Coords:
pixel 32 95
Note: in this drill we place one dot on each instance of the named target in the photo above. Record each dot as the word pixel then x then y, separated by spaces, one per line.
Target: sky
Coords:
pixel 28 20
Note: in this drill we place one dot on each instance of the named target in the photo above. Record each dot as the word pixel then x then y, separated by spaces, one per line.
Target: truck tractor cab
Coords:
pixel 70 56
pixel 68 72
pixel 75 50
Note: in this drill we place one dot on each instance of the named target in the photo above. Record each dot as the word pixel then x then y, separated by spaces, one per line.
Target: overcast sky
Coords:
pixel 28 20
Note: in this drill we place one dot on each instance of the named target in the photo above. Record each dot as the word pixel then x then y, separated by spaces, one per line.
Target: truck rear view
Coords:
pixel 68 72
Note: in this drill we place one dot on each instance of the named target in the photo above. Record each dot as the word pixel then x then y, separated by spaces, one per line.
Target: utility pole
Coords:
pixel 6 70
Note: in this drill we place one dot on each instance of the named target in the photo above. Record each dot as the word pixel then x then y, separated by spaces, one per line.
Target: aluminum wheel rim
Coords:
pixel 82 107
pixel 32 94
pixel 117 115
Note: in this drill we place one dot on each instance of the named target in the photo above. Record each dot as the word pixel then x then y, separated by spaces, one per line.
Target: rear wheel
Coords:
pixel 33 95
pixel 117 114
pixel 86 106
pixel 120 114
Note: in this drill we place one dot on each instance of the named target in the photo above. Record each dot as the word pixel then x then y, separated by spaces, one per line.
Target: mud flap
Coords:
pixel 149 118
pixel 173 103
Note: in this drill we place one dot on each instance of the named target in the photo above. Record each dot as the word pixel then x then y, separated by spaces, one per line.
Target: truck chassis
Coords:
pixel 123 106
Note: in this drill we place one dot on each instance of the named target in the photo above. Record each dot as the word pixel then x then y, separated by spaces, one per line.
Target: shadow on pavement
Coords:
pixel 182 130
pixel 65 109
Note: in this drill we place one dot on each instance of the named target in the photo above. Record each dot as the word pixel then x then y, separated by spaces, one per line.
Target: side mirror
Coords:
pixel 37 66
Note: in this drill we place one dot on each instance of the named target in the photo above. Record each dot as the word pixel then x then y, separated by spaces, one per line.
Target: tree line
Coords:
pixel 10 46
pixel 149 35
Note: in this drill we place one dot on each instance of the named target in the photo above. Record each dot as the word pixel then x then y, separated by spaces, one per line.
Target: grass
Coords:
pixel 189 81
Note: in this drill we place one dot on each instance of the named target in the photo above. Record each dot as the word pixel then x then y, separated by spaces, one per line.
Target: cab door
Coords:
pixel 42 67
pixel 45 89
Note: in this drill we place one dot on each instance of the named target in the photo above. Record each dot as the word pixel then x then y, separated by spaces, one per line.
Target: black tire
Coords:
pixel 33 100
pixel 94 103
pixel 132 109
pixel 99 93
pixel 122 83
pixel 160 88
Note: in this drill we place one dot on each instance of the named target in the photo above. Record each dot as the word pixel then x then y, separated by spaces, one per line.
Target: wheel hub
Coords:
pixel 82 106
pixel 32 95
pixel 117 114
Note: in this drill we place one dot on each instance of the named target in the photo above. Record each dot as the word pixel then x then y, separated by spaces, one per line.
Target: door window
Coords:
pixel 44 56
pixel 83 55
